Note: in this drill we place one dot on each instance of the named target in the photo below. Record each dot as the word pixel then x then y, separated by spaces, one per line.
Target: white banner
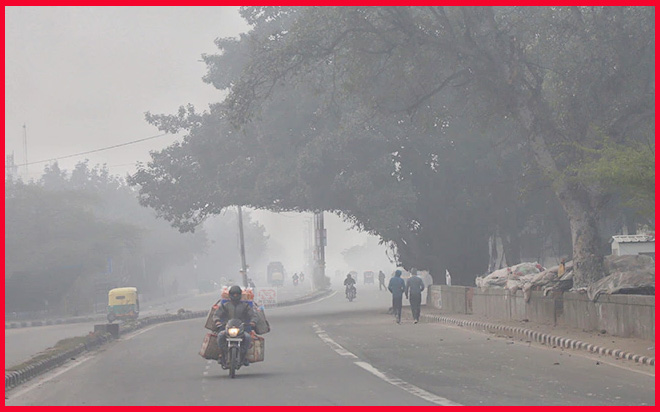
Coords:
pixel 266 296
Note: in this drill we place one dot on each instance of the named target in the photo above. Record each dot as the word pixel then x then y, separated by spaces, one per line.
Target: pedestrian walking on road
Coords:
pixel 414 288
pixel 381 280
pixel 397 286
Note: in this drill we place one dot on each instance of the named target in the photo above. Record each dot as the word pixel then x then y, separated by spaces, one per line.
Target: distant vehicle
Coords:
pixel 368 277
pixel 123 304
pixel 275 274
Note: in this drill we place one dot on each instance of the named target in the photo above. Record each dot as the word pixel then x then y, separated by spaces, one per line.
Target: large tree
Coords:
pixel 567 75
pixel 407 121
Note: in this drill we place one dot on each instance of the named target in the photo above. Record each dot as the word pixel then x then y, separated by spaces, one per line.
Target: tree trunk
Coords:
pixel 492 263
pixel 511 246
pixel 576 200
pixel 506 67
pixel 587 256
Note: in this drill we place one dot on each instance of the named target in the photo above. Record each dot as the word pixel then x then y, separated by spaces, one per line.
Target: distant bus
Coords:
pixel 275 274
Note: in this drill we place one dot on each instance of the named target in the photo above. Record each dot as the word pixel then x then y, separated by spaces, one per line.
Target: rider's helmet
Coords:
pixel 235 293
pixel 348 276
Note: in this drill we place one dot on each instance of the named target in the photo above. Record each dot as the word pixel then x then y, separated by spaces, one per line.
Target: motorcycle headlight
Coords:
pixel 232 332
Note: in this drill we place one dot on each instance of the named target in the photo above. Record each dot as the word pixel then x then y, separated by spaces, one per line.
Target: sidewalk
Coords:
pixel 633 349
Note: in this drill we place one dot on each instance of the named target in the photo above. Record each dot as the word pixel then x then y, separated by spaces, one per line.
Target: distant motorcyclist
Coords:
pixel 235 309
pixel 349 282
pixel 295 279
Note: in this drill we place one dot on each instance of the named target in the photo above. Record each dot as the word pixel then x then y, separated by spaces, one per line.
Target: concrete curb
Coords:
pixel 36 368
pixel 307 299
pixel 48 322
pixel 543 338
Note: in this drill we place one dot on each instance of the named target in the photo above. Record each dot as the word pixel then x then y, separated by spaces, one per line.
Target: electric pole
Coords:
pixel 25 150
pixel 320 241
pixel 240 234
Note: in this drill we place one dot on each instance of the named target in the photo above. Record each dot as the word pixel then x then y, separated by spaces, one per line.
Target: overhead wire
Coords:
pixel 94 151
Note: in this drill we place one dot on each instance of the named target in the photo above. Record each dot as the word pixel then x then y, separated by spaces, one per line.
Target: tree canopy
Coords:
pixel 434 128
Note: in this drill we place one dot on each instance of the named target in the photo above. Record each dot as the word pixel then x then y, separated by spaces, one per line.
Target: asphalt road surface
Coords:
pixel 333 352
pixel 23 343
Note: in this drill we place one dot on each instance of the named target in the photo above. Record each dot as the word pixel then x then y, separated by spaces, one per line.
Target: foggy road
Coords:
pixel 333 352
pixel 23 343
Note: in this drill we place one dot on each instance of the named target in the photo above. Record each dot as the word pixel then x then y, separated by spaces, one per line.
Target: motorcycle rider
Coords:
pixel 349 282
pixel 235 309
pixel 295 279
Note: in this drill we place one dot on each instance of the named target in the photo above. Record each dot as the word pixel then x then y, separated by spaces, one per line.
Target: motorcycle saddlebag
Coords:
pixel 210 348
pixel 262 325
pixel 256 351
pixel 210 325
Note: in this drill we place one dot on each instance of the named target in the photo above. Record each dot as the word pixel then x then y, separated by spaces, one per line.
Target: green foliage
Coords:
pixel 628 171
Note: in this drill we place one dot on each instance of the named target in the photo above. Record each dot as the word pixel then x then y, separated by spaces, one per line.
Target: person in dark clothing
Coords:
pixel 414 288
pixel 381 280
pixel 235 309
pixel 397 286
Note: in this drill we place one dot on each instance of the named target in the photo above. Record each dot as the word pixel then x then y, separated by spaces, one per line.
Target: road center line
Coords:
pixel 408 387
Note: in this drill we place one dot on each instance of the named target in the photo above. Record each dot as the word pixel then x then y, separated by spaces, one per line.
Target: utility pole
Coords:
pixel 25 150
pixel 308 236
pixel 240 234
pixel 320 241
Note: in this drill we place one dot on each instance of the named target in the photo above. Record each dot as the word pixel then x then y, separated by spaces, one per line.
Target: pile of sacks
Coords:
pixel 628 274
pixel 512 277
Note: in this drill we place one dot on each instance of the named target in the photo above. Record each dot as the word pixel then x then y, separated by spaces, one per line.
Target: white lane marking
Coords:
pixel 334 345
pixel 139 332
pixel 408 387
pixel 307 303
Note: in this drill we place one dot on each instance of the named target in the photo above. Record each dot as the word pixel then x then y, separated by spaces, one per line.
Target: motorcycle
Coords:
pixel 351 292
pixel 234 332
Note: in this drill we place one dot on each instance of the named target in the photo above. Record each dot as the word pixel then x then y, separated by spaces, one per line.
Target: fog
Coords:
pixel 499 150
pixel 79 80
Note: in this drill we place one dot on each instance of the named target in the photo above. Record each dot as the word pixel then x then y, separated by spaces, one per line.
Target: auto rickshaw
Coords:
pixel 368 277
pixel 123 303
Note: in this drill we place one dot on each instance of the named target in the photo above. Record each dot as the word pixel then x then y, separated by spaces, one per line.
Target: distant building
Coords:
pixel 633 245
pixel 11 170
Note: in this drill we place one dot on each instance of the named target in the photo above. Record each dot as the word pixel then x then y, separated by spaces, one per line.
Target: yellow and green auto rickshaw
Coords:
pixel 123 303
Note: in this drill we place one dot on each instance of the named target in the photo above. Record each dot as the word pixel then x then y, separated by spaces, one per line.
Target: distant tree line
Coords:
pixel 438 129
pixel 69 237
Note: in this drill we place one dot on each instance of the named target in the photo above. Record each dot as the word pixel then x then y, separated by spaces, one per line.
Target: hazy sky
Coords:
pixel 81 78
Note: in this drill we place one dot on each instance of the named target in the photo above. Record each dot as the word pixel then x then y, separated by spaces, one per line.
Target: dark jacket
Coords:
pixel 396 286
pixel 228 310
pixel 414 286
pixel 349 281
